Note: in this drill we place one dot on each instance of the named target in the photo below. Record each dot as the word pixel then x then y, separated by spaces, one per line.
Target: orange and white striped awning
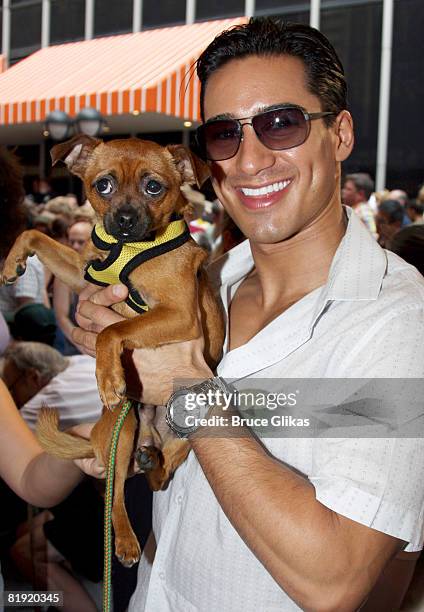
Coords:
pixel 146 72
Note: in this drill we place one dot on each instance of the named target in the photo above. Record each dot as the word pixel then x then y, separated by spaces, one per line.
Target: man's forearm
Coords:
pixel 298 540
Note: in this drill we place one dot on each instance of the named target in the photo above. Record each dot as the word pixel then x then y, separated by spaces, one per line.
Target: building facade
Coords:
pixel 355 27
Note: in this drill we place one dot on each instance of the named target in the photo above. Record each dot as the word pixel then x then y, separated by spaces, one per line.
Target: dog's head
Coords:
pixel 133 184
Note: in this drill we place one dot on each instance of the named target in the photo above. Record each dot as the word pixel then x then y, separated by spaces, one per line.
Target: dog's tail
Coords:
pixel 60 443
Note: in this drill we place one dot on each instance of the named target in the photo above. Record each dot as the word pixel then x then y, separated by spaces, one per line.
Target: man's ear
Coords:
pixel 344 135
pixel 75 153
pixel 193 170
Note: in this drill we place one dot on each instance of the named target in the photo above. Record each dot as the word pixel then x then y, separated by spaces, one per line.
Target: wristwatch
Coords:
pixel 188 406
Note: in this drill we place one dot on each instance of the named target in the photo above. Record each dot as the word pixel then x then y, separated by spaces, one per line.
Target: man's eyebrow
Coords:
pixel 261 109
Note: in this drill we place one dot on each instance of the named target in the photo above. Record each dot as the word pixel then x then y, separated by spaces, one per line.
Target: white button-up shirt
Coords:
pixel 367 321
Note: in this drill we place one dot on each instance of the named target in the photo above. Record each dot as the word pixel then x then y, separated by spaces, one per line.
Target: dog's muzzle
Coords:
pixel 125 224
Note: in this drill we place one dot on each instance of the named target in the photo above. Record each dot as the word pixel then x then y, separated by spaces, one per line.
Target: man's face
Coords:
pixel 22 385
pixel 309 172
pixel 350 195
pixel 78 235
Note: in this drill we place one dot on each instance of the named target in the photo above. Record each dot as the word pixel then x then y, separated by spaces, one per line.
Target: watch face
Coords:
pixel 184 411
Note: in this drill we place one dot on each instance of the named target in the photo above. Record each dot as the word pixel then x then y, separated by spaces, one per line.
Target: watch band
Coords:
pixel 214 385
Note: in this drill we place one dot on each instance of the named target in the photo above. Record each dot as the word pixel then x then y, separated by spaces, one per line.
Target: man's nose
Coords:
pixel 253 156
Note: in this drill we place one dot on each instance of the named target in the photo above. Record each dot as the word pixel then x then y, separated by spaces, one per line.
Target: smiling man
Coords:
pixel 285 522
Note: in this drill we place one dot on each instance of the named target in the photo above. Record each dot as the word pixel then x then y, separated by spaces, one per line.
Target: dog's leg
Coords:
pixel 61 260
pixel 212 317
pixel 148 454
pixel 161 325
pixel 174 452
pixel 127 548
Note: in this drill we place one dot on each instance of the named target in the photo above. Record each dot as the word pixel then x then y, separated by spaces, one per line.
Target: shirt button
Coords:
pixel 161 575
pixel 179 499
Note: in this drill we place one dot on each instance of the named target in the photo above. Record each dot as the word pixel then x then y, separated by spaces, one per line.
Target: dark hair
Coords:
pixel 363 182
pixel 417 206
pixel 271 36
pixel 59 228
pixel 408 243
pixel 393 209
pixel 12 212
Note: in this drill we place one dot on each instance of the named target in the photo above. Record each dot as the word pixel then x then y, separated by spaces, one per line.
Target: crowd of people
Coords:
pixel 393 218
pixel 344 522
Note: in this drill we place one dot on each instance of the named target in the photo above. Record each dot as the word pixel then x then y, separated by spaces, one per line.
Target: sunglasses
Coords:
pixel 278 129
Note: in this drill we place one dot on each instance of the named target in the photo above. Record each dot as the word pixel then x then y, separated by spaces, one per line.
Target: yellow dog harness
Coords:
pixel 124 257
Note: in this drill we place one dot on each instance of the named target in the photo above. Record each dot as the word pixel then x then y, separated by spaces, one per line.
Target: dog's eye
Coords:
pixel 153 187
pixel 104 186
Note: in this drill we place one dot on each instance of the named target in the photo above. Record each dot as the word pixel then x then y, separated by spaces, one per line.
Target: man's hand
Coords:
pixel 93 314
pixel 158 370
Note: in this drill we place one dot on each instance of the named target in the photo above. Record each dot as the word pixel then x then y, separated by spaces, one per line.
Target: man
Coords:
pixel 37 375
pixel 288 522
pixel 415 212
pixel 64 300
pixel 356 192
pixel 402 197
pixel 388 221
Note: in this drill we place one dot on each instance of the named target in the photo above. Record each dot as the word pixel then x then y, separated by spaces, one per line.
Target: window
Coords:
pixel 25 35
pixel 355 32
pixel 67 19
pixel 281 7
pixel 219 9
pixel 166 12
pixel 113 17
pixel 406 127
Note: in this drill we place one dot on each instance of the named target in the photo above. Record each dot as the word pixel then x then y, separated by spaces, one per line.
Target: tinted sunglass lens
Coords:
pixel 220 139
pixel 281 129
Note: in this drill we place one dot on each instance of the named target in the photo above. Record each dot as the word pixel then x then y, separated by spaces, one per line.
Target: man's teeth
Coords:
pixel 265 190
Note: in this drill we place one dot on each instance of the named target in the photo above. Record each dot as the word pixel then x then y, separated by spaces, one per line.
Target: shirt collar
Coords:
pixel 356 273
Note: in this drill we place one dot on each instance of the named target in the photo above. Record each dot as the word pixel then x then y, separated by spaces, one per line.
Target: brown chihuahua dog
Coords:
pixel 142 240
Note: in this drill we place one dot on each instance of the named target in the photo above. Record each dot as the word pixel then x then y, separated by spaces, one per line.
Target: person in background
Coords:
pixel 402 197
pixel 408 243
pixel 4 334
pixel 415 212
pixel 38 478
pixel 389 220
pixel 24 304
pixel 38 375
pixel 64 300
pixel 41 191
pixel 356 191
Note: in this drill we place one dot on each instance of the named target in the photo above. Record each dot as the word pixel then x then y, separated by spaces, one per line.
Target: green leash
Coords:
pixel 110 475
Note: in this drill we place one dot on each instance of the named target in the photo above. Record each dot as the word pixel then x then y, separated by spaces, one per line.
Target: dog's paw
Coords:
pixel 147 458
pixel 127 551
pixel 112 390
pixel 4 280
pixel 11 271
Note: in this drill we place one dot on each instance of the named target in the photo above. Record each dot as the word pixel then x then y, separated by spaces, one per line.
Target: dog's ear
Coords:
pixel 193 170
pixel 75 153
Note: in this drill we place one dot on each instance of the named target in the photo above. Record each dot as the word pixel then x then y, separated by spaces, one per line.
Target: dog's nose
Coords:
pixel 126 222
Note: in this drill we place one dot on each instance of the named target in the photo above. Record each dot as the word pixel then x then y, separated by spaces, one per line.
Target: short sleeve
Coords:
pixel 378 482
